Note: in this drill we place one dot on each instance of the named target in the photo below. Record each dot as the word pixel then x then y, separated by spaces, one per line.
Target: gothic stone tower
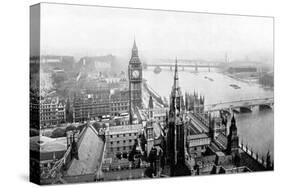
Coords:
pixel 176 130
pixel 149 126
pixel 233 139
pixel 135 80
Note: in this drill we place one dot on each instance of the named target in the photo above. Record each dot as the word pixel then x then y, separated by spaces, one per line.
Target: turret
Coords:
pixel 150 107
pixel 149 127
pixel 212 125
pixel 74 147
pixel 233 127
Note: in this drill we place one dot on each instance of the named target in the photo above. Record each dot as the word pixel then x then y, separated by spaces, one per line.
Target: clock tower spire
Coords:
pixel 135 80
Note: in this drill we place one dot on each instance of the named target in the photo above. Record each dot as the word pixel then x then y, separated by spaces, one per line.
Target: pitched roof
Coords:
pixel 90 154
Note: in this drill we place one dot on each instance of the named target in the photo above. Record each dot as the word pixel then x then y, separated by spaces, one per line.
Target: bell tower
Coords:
pixel 233 139
pixel 135 80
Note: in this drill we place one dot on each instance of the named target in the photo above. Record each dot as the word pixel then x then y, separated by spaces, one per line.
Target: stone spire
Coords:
pixel 176 76
pixel 150 107
pixel 176 98
pixel 135 49
pixel 135 45
pixel 233 123
pixel 150 103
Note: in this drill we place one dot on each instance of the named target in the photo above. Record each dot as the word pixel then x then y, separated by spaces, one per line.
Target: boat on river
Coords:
pixel 234 86
pixel 157 70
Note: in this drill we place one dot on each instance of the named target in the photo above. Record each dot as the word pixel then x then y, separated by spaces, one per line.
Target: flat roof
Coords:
pixel 220 153
pixel 124 128
pixel 198 136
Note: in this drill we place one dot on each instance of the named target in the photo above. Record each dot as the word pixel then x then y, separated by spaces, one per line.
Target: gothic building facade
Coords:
pixel 194 102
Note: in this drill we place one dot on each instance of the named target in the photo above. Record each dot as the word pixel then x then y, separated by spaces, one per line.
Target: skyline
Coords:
pixel 159 34
pixel 159 94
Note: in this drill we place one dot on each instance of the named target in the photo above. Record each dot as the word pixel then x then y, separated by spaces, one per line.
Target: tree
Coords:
pixel 59 132
pixel 70 128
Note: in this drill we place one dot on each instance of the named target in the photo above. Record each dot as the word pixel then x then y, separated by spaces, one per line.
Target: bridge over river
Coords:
pixel 182 66
pixel 241 105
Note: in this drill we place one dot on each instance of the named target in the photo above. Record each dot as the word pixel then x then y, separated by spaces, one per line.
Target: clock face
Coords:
pixel 135 74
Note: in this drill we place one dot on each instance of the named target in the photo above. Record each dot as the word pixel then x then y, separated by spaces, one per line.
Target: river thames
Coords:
pixel 255 128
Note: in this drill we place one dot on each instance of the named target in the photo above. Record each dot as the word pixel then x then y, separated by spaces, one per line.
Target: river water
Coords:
pixel 255 128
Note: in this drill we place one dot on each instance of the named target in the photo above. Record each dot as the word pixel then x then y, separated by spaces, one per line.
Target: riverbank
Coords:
pixel 248 79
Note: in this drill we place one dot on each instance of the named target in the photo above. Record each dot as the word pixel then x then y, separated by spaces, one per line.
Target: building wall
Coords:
pixel 120 143
pixel 52 112
pixel 121 139
pixel 119 103
pixel 91 104
pixel 197 147
pixel 99 103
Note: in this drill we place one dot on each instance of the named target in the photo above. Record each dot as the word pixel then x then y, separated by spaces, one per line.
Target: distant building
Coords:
pixel 96 63
pixel 49 62
pixel 242 69
pixel 194 103
pixel 267 80
pixel 100 102
pixel 91 104
pixel 52 111
pixel 119 102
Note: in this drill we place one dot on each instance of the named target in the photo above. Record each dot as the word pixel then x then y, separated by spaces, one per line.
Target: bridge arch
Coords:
pixel 245 109
pixel 265 107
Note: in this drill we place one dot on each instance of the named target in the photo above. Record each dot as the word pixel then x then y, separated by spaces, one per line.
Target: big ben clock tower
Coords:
pixel 135 80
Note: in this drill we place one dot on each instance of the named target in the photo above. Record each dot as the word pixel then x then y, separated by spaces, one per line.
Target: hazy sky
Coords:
pixel 87 30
